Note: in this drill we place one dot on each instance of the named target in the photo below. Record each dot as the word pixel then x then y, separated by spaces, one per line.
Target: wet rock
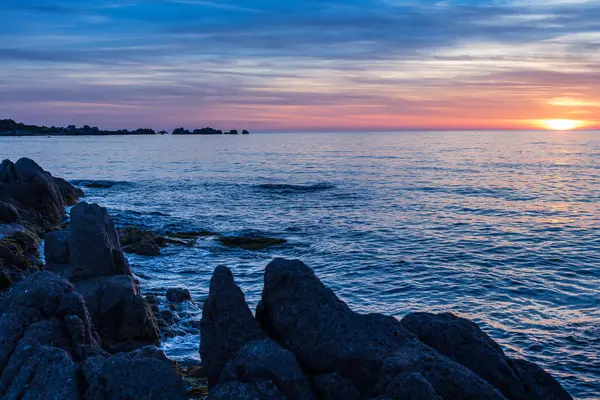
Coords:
pixel 259 390
pixel 226 326
pixel 143 243
pixel 56 249
pixel 250 242
pixel 143 374
pixel 371 350
pixel 178 295
pixel 464 342
pixel 192 234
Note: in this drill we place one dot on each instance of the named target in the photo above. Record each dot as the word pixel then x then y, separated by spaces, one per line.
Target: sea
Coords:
pixel 499 227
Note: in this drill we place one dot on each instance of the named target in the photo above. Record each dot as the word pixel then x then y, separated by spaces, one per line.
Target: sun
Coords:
pixel 561 124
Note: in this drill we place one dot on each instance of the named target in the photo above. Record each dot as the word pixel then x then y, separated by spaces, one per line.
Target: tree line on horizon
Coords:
pixel 9 127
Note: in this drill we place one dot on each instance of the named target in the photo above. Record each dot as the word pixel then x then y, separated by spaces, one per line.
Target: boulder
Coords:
pixel 226 326
pixel 237 358
pixel 373 351
pixel 122 316
pixel 90 256
pixel 40 197
pixel 49 349
pixel 178 295
pixel 94 248
pixel 464 342
pixel 143 374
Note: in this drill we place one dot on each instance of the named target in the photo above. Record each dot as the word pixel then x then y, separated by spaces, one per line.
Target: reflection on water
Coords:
pixel 499 227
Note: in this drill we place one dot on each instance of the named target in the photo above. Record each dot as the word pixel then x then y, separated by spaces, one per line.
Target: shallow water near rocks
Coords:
pixel 502 228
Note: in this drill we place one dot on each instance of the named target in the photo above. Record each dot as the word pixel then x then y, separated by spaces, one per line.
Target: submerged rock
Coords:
pixel 250 242
pixel 178 295
pixel 143 243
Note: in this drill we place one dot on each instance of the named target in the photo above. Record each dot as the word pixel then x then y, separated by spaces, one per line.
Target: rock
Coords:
pixel 143 243
pixel 232 132
pixel 122 316
pixel 371 350
pixel 94 248
pixel 178 295
pixel 69 193
pixel 143 374
pixel 333 386
pixel 8 213
pixel 464 342
pixel 19 254
pixel 191 234
pixel 56 248
pixel 101 273
pixel 261 390
pixel 245 132
pixel 250 242
pixel 266 360
pixel 226 326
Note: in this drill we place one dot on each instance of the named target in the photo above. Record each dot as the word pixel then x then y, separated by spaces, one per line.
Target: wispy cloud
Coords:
pixel 329 64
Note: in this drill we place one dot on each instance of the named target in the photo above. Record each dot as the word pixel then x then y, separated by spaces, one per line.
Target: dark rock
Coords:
pixel 69 193
pixel 122 316
pixel 232 132
pixel 56 249
pixel 143 374
pixel 464 342
pixel 371 350
pixel 250 242
pixel 266 360
pixel 178 295
pixel 226 326
pixel 261 390
pixel 8 213
pixel 94 247
pixel 245 132
pixel 333 386
pixel 411 385
pixel 101 273
pixel 192 234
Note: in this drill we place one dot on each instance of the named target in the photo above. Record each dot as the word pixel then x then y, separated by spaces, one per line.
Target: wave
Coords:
pixel 98 184
pixel 288 188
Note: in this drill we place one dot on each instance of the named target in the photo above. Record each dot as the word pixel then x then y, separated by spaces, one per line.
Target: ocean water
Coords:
pixel 499 227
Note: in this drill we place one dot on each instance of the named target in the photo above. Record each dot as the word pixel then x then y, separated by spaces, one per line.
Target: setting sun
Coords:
pixel 561 124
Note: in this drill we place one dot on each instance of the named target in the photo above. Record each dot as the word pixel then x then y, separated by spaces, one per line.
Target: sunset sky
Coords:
pixel 300 65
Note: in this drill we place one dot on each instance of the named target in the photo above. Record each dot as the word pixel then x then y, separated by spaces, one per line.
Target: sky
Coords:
pixel 288 65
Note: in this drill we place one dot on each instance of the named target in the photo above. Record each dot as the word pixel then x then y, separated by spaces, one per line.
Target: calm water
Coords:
pixel 502 228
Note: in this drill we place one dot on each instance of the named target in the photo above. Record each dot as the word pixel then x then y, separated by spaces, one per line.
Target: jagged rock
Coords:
pixel 464 342
pixel 239 361
pixel 143 374
pixel 49 349
pixel 98 268
pixel 226 326
pixel 371 350
pixel 178 295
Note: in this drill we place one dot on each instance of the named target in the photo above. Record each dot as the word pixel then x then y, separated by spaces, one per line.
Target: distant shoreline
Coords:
pixel 10 128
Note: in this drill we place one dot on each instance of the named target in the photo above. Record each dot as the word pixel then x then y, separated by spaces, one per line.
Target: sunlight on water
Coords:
pixel 503 228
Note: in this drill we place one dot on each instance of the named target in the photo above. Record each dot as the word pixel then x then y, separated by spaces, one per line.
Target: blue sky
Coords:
pixel 299 65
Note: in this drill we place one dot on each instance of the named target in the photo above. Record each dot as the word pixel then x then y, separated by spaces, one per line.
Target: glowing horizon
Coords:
pixel 293 66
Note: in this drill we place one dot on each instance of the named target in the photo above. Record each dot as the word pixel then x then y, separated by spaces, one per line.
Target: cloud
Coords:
pixel 291 64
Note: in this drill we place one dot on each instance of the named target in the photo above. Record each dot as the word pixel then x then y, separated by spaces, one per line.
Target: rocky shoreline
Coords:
pixel 78 327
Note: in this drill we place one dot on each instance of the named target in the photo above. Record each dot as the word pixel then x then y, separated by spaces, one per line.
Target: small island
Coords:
pixel 9 127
